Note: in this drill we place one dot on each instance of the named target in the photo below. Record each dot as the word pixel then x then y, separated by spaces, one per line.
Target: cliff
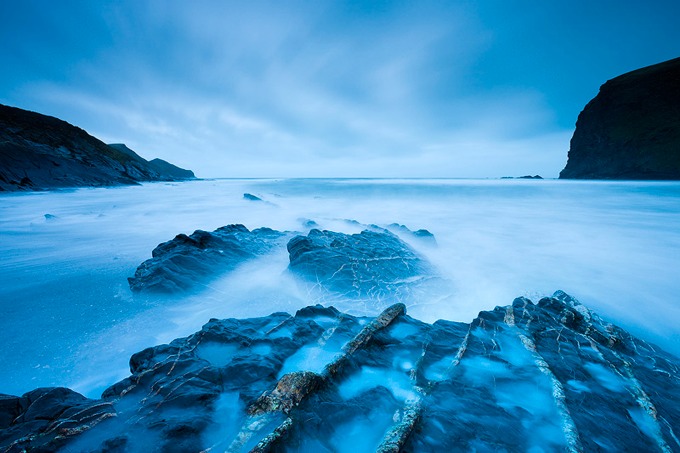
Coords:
pixel 42 152
pixel 631 129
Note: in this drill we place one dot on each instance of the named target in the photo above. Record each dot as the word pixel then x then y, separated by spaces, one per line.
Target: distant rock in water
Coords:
pixel 373 265
pixel 631 129
pixel 550 376
pixel 422 234
pixel 251 197
pixel 42 152
pixel 523 177
pixel 187 261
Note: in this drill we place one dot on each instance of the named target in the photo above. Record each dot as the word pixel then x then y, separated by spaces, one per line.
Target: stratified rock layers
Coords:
pixel 631 129
pixel 188 261
pixel 373 265
pixel 551 375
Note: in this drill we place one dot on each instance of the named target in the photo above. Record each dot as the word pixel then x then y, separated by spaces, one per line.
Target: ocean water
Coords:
pixel 68 318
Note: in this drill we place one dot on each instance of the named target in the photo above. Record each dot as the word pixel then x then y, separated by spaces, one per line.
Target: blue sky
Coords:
pixel 322 89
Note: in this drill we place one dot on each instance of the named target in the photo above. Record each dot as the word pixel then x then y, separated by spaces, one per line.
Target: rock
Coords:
pixel 46 419
pixel 371 265
pixel 40 152
pixel 251 197
pixel 188 261
pixel 550 375
pixel 308 223
pixel 631 129
pixel 424 235
pixel 523 177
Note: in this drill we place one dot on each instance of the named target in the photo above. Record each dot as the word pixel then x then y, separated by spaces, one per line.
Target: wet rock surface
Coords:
pixel 40 152
pixel 549 375
pixel 374 265
pixel 187 261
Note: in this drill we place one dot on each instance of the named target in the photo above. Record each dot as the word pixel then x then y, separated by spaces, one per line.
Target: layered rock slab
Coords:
pixel 374 265
pixel 189 261
pixel 549 375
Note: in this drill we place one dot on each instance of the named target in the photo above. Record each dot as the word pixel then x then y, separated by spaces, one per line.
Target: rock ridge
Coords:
pixel 518 377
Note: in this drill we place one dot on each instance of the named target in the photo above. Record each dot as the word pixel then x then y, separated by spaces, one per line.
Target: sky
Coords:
pixel 328 88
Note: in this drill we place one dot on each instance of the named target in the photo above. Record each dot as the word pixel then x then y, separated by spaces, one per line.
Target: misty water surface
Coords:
pixel 69 319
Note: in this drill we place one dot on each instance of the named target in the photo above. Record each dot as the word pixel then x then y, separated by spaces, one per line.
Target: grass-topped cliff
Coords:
pixel 42 152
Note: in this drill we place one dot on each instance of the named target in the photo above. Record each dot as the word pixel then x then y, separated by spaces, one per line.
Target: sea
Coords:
pixel 68 317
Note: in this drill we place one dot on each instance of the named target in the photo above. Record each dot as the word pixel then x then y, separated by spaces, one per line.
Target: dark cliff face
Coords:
pixel 631 129
pixel 43 152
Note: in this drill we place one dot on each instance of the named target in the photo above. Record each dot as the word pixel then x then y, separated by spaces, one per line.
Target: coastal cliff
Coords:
pixel 42 152
pixel 631 129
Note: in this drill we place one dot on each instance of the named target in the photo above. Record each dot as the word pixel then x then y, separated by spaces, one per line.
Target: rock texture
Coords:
pixel 631 129
pixel 374 265
pixel 42 152
pixel 187 261
pixel 548 376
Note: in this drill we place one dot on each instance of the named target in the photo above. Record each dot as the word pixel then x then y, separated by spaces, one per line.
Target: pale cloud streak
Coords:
pixel 259 89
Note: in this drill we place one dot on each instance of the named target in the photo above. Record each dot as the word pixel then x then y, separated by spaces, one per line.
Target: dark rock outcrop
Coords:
pixel 42 152
pixel 523 177
pixel 47 419
pixel 372 265
pixel 631 129
pixel 187 261
pixel 551 376
pixel 422 234
pixel 251 197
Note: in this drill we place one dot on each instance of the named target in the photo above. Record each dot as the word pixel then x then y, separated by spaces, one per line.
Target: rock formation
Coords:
pixel 41 152
pixel 631 129
pixel 551 375
pixel 187 261
pixel 374 265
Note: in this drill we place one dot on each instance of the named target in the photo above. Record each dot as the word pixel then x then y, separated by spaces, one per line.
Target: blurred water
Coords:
pixel 68 318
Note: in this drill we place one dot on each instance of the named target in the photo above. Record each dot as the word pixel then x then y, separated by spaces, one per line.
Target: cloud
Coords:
pixel 259 89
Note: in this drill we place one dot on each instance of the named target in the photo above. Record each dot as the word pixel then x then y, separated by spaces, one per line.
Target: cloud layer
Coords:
pixel 301 89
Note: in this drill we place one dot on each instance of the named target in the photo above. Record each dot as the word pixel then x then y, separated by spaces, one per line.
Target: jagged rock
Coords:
pixel 187 261
pixel 631 129
pixel 372 265
pixel 40 152
pixel 551 376
pixel 46 419
pixel 251 197
pixel 422 234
